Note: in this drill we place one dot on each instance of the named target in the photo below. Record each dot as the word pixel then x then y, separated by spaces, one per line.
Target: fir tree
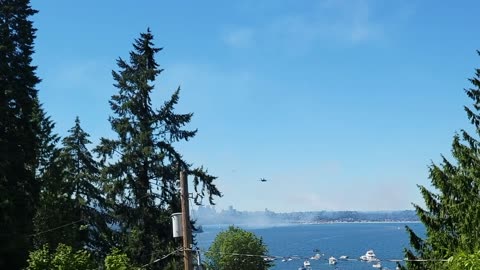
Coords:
pixel 82 176
pixel 48 173
pixel 71 195
pixel 53 207
pixel 452 211
pixel 18 141
pixel 46 149
pixel 142 164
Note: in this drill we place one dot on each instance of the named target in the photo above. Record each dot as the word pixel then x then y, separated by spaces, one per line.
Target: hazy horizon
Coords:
pixel 195 208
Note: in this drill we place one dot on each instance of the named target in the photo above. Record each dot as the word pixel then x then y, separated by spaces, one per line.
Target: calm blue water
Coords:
pixel 351 239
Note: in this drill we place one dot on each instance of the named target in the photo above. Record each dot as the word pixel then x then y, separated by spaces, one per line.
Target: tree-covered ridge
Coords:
pixel 452 209
pixel 208 215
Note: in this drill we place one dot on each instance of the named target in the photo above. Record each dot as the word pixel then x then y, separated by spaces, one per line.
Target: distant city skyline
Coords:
pixel 340 105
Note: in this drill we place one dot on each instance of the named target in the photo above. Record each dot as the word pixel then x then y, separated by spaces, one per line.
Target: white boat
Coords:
pixel 369 257
pixel 306 263
pixel 343 257
pixel 377 265
pixel 316 257
pixel 269 259
pixel 332 261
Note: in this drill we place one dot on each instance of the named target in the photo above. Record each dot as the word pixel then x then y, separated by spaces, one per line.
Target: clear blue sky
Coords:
pixel 340 104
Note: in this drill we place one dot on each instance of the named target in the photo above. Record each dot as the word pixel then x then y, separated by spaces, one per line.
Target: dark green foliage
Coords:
pixel 18 141
pixel 53 195
pixel 141 165
pixel 47 140
pixel 82 176
pixel 452 212
pixel 222 253
pixel 71 194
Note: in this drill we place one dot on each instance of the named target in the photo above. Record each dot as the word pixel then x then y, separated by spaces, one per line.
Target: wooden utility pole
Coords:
pixel 187 234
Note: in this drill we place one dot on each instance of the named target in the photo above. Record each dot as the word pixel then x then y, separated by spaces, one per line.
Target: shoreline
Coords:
pixel 309 223
pixel 363 221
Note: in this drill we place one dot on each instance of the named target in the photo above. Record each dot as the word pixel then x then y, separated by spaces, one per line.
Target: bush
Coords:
pixel 118 261
pixel 64 258
pixel 224 254
pixel 464 261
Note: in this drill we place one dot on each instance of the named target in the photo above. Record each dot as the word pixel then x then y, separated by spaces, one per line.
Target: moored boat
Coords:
pixel 369 257
pixel 316 257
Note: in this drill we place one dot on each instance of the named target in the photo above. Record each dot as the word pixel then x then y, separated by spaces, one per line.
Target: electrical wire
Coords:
pixel 46 231
pixel 54 229
pixel 162 258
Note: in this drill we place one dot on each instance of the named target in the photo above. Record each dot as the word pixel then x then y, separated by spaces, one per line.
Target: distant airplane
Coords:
pixel 263 180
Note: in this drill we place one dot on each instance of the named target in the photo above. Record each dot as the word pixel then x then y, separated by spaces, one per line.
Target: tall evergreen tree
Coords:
pixel 82 176
pixel 48 173
pixel 46 149
pixel 71 195
pixel 141 164
pixel 452 211
pixel 18 141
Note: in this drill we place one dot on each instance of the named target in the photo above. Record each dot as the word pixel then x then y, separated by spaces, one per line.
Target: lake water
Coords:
pixel 336 239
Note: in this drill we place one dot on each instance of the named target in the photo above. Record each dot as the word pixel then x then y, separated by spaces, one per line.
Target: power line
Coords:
pixel 54 229
pixel 162 258
pixel 277 257
pixel 45 231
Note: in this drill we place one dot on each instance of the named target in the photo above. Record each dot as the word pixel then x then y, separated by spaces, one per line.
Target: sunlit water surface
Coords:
pixel 387 240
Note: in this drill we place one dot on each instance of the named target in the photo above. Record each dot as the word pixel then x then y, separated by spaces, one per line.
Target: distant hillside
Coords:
pixel 208 215
pixel 353 216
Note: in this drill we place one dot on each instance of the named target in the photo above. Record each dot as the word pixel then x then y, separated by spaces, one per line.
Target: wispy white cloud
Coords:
pixel 344 21
pixel 239 38
pixel 349 22
pixel 204 81
pixel 331 168
pixel 362 27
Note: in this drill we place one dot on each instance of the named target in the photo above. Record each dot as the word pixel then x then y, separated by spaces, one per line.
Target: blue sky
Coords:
pixel 340 104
